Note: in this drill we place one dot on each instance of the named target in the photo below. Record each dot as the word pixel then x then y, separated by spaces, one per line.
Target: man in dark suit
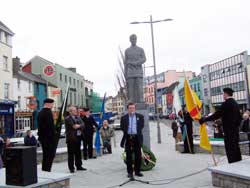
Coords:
pixel 90 126
pixel 74 130
pixel 230 114
pixel 188 142
pixel 132 125
pixel 47 134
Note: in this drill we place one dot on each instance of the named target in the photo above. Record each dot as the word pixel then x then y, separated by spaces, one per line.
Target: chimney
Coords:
pixel 72 69
pixel 16 64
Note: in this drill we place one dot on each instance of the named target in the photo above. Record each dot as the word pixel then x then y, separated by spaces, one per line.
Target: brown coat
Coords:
pixel 71 133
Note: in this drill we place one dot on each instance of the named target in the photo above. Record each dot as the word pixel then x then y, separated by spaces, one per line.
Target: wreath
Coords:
pixel 148 158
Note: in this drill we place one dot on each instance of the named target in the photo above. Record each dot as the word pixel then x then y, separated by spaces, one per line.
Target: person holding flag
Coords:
pixel 187 127
pixel 230 114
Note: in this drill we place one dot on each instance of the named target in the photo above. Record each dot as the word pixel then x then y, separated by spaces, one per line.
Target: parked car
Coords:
pixel 18 138
pixel 63 131
pixel 116 125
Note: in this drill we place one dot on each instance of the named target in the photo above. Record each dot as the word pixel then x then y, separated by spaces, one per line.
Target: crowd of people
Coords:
pixel 80 128
pixel 227 122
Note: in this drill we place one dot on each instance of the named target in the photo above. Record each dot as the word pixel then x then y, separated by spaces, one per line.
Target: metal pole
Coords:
pixel 155 83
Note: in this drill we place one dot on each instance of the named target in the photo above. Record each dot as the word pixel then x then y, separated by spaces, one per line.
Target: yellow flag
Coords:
pixel 193 105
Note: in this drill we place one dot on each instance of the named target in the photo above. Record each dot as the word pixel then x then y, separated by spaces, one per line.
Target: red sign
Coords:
pixel 56 92
pixel 48 70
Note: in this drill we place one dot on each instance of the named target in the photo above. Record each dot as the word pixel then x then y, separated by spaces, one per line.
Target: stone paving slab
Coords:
pixel 109 170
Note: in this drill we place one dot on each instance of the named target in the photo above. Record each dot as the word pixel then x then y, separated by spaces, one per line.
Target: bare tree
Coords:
pixel 120 75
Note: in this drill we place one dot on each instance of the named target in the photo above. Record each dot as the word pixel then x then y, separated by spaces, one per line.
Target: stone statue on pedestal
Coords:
pixel 134 58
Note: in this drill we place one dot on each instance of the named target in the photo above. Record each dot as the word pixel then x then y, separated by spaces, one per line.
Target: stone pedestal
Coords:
pixel 142 108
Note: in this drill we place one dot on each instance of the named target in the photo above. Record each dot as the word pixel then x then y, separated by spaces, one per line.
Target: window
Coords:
pixel 6 38
pixel 61 96
pixel 74 82
pixel 6 90
pixel 81 85
pixel 5 63
pixel 69 80
pixel 61 76
pixel 19 101
pixel 18 83
pixel 205 92
pixel 65 78
pixel 77 83
pixel 29 86
pixel 198 87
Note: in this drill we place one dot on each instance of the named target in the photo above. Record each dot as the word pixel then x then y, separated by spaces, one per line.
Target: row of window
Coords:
pixel 70 80
pixel 238 86
pixel 72 99
pixel 228 71
pixel 196 87
pixel 5 37
pixel 149 89
pixel 19 85
pixel 5 63
pixel 150 100
pixel 227 62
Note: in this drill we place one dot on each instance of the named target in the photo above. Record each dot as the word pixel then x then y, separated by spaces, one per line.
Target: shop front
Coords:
pixel 7 114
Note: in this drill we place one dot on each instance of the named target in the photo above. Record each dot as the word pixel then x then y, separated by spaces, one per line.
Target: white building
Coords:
pixel 22 85
pixel 230 72
pixel 5 62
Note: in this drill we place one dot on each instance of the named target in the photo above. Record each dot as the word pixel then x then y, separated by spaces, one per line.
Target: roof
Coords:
pixel 171 87
pixel 33 77
pixel 6 29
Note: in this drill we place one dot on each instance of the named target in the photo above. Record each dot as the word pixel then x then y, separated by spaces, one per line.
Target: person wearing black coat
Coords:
pixel 47 134
pixel 88 132
pixel 29 139
pixel 230 114
pixel 188 121
pixel 74 130
pixel 132 125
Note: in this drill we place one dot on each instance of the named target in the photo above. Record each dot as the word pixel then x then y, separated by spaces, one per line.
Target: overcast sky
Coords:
pixel 87 34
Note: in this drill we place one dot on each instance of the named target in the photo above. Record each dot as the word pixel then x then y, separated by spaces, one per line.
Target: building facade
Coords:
pixel 6 85
pixel 61 78
pixel 196 85
pixel 88 87
pixel 119 103
pixel 230 72
pixel 164 80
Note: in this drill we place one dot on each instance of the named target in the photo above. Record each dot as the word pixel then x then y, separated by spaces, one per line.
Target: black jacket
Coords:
pixel 230 115
pixel 124 126
pixel 71 133
pixel 89 123
pixel 46 128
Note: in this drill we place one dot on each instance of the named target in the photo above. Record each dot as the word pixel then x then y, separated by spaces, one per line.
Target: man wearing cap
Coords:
pixel 46 134
pixel 230 114
pixel 88 132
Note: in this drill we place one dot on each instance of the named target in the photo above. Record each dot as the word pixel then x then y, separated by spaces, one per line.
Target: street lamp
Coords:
pixel 151 22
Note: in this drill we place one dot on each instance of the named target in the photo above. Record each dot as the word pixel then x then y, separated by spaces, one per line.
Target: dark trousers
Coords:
pixel 189 142
pixel 74 155
pixel 232 148
pixel 49 151
pixel 133 146
pixel 107 146
pixel 88 146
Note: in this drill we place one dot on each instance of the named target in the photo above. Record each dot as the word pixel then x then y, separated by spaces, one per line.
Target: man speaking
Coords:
pixel 132 125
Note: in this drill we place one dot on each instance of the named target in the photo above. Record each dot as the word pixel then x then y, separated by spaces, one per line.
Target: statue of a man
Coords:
pixel 134 58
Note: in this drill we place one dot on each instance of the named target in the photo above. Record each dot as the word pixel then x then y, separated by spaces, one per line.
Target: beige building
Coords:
pixel 6 85
pixel 119 103
pixel 164 80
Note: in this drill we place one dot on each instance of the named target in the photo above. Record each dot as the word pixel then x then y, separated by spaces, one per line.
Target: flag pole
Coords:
pixel 198 110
